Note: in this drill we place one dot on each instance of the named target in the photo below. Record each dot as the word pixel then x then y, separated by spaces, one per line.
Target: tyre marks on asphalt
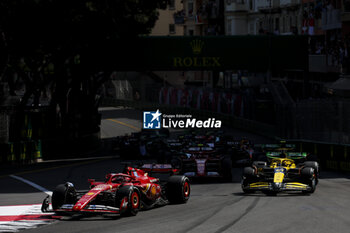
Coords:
pixel 211 214
pixel 232 223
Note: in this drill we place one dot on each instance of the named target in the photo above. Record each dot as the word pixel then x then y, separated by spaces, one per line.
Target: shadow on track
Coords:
pixel 282 194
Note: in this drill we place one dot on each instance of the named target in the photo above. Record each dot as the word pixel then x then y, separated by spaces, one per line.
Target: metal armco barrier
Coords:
pixel 331 156
pixel 23 152
pixel 20 152
pixel 37 150
pixel 11 156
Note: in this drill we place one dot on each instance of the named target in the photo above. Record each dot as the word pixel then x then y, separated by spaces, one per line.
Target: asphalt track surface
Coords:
pixel 212 207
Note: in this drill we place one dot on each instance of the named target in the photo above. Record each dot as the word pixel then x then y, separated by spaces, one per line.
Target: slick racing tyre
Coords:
pixel 128 200
pixel 315 166
pixel 308 172
pixel 178 189
pixel 312 164
pixel 248 172
pixel 63 194
pixel 312 184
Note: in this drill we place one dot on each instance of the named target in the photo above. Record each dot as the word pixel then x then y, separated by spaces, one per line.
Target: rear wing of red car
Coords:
pixel 159 168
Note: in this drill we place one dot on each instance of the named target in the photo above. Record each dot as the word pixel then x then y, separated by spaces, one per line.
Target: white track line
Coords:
pixel 79 159
pixel 32 184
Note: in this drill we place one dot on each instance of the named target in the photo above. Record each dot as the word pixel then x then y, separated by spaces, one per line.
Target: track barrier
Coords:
pixel 330 156
pixel 20 152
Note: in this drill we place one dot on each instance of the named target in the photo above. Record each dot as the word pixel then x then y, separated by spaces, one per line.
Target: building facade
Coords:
pixel 254 17
pixel 168 23
pixel 203 17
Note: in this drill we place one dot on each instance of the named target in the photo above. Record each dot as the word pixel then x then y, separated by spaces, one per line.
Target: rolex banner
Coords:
pixel 254 53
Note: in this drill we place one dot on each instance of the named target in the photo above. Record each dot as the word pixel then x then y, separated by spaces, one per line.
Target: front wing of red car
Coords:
pixel 70 209
pixel 89 209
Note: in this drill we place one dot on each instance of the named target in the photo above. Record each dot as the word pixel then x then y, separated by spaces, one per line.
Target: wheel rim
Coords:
pixel 186 189
pixel 135 200
pixel 122 203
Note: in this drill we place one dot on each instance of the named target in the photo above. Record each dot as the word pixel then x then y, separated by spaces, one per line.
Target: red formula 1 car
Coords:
pixel 121 194
pixel 204 161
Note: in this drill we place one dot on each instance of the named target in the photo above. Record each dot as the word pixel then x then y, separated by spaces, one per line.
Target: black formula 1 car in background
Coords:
pixel 203 161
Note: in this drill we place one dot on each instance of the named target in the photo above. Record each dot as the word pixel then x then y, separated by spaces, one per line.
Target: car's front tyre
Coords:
pixel 63 194
pixel 128 200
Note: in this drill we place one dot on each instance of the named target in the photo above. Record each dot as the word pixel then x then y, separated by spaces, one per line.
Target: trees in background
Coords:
pixel 52 48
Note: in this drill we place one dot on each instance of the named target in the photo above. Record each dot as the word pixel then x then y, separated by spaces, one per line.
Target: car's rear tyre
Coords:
pixel 308 172
pixel 248 172
pixel 315 165
pixel 128 200
pixel 312 164
pixel 63 194
pixel 178 189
